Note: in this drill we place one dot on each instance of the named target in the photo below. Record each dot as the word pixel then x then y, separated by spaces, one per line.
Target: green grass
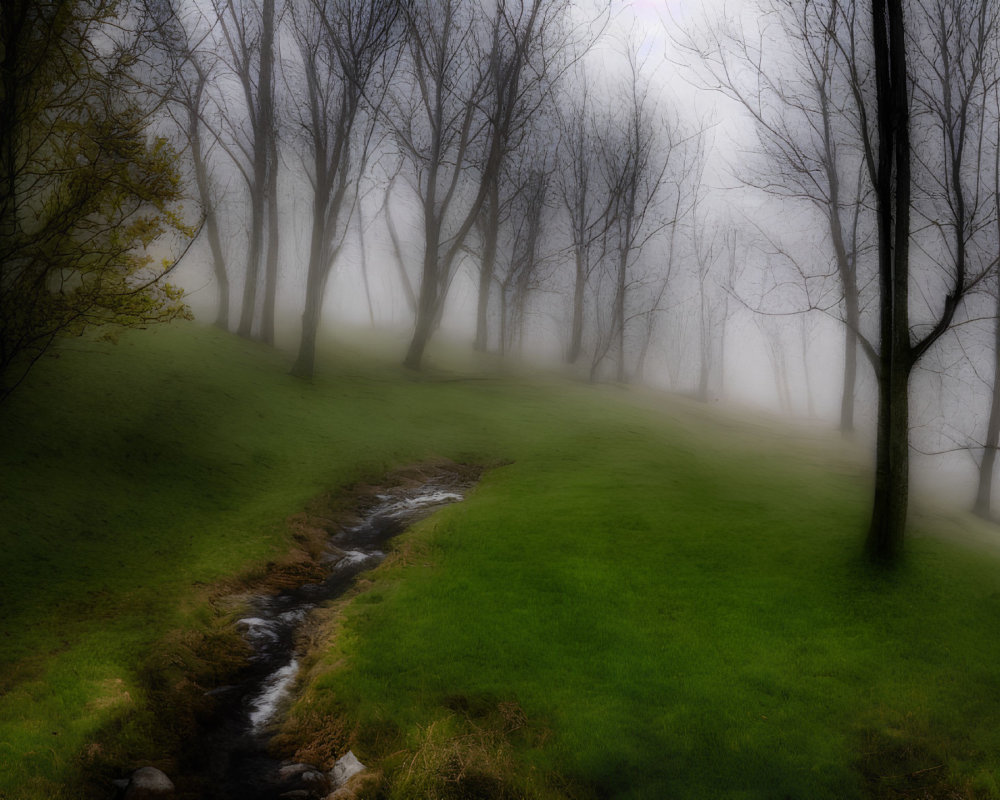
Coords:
pixel 666 601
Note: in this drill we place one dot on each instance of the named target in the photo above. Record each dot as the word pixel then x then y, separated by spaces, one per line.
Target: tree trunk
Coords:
pixel 273 240
pixel 620 315
pixel 705 342
pixel 984 491
pixel 892 460
pixel 364 265
pixel 810 404
pixel 262 122
pixel 211 220
pixel 640 362
pixel 316 277
pixel 504 311
pixel 892 193
pixel 491 226
pixel 421 335
pixel 249 308
pixel 397 252
pixel 579 290
pixel 305 361
pixel 848 390
pixel 427 304
pixel 703 379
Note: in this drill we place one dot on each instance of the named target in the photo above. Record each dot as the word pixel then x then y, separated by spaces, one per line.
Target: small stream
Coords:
pixel 231 756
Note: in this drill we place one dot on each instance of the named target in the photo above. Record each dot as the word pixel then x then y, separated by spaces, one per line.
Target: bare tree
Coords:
pixel 525 60
pixel 855 64
pixel 987 463
pixel 188 73
pixel 248 32
pixel 793 78
pixel 345 49
pixel 438 123
pixel 635 157
pixel 397 246
pixel 951 68
pixel 707 244
pixel 522 257
pixel 466 102
pixel 588 207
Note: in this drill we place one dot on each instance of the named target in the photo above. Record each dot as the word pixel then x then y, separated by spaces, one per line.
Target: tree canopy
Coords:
pixel 85 191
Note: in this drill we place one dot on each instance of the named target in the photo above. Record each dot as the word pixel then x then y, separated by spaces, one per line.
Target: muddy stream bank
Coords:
pixel 229 758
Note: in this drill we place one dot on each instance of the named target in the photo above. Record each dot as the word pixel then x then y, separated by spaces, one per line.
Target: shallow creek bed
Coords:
pixel 229 756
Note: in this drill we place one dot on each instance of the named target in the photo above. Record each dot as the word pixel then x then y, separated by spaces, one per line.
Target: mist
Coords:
pixel 682 235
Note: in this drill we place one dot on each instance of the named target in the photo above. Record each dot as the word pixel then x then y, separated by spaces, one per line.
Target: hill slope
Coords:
pixel 641 599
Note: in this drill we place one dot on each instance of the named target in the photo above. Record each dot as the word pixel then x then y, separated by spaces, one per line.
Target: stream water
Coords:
pixel 231 755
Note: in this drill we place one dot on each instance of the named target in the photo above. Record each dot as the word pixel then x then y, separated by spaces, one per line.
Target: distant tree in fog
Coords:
pixel 470 70
pixel 983 505
pixel 641 156
pixel 794 78
pixel 188 71
pixel 526 58
pixel 520 265
pixel 439 126
pixel 587 206
pixel 714 245
pixel 345 48
pixel 399 259
pixel 247 29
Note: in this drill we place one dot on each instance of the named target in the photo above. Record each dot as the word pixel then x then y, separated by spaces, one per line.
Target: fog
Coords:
pixel 679 234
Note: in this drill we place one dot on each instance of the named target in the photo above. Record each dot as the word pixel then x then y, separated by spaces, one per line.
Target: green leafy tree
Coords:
pixel 85 191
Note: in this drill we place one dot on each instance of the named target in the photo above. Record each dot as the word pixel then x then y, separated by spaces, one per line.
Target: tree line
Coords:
pixel 530 170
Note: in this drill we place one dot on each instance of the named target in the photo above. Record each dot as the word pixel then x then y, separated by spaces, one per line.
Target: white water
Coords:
pixel 259 629
pixel 275 690
pixel 409 504
pixel 264 633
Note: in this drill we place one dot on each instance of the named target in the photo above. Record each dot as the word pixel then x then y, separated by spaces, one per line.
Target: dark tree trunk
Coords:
pixel 428 300
pixel 892 191
pixel 248 311
pixel 273 241
pixel 262 123
pixel 422 332
pixel 491 229
pixel 363 252
pixel 269 144
pixel 888 521
pixel 619 314
pixel 316 276
pixel 579 292
pixel 13 24
pixel 305 361
pixel 849 389
pixel 203 183
pixel 397 252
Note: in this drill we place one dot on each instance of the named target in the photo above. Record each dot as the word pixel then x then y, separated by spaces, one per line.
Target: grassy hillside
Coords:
pixel 641 599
